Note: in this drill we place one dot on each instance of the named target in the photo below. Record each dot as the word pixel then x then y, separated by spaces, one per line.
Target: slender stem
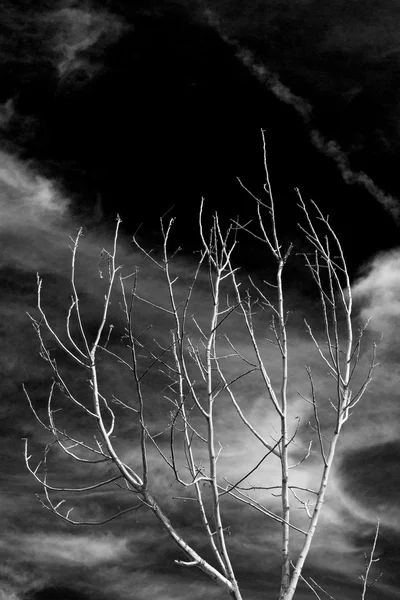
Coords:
pixel 369 563
pixel 285 575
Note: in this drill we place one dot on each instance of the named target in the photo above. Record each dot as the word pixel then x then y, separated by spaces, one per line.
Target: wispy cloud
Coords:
pixel 272 81
pixel 65 42
pixel 330 148
pixel 333 150
pixel 378 291
pixel 80 37
pixel 26 198
pixel 83 550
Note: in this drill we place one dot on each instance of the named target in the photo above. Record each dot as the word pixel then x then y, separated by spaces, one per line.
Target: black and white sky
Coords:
pixel 140 108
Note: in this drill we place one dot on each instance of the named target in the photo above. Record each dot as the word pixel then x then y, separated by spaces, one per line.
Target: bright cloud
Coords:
pixel 87 550
pixel 379 292
pixel 26 198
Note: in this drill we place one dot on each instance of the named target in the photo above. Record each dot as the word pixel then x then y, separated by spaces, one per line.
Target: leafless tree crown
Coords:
pixel 197 383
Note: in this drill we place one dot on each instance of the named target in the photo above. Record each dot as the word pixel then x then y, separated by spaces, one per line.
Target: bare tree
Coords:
pixel 196 381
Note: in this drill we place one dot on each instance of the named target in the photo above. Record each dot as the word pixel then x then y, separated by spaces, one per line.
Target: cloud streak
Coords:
pixel 81 35
pixel 332 150
pixel 305 109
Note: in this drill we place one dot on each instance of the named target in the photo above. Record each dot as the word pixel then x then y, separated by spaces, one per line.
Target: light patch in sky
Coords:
pixel 25 197
pixel 7 112
pixel 81 549
pixel 8 595
pixel 81 36
pixel 379 292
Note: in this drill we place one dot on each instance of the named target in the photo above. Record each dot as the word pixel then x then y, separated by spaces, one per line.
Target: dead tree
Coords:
pixel 196 383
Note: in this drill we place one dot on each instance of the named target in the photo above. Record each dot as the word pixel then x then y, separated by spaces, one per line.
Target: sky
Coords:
pixel 142 109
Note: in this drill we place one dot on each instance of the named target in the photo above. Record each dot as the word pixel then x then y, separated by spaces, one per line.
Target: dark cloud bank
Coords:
pixel 108 107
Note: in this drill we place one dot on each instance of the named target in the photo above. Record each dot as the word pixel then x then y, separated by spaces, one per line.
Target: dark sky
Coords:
pixel 140 108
